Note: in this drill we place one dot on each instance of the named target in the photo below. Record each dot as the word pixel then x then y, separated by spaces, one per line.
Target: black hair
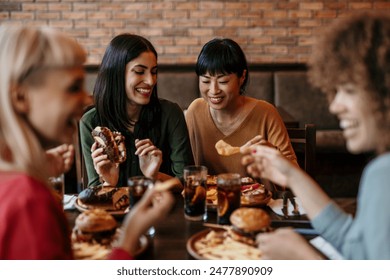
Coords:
pixel 110 92
pixel 222 56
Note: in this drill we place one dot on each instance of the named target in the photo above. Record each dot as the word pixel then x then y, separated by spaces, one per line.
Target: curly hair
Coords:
pixel 356 49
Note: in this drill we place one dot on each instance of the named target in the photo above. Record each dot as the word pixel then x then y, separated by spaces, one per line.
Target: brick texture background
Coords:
pixel 268 30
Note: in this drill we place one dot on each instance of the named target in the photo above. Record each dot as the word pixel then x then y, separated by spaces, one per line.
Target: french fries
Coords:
pixel 218 245
pixel 88 251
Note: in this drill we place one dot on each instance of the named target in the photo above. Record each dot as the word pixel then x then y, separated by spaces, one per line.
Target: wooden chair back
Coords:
pixel 303 141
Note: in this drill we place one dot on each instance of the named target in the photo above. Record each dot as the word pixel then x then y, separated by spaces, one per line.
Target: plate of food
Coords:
pixel 236 242
pixel 95 233
pixel 218 245
pixel 114 200
pixel 252 194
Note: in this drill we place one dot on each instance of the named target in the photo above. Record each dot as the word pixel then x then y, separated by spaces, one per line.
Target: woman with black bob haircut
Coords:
pixel 125 96
pixel 224 112
pixel 230 61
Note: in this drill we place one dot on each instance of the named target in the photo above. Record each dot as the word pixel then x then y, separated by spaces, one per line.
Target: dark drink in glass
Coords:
pixel 137 187
pixel 229 196
pixel 195 192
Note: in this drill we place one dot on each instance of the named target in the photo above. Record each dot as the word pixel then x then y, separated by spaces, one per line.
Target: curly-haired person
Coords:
pixel 351 63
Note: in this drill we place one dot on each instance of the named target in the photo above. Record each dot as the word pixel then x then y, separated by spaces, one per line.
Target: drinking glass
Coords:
pixel 195 177
pixel 229 196
pixel 57 183
pixel 138 185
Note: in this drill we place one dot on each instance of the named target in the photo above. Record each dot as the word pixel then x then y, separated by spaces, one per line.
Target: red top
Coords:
pixel 33 225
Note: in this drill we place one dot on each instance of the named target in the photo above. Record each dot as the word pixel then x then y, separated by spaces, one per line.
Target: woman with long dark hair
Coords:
pixel 125 94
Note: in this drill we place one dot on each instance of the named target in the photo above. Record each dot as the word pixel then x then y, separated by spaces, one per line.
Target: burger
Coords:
pixel 114 198
pixel 247 223
pixel 254 194
pixel 95 226
pixel 113 143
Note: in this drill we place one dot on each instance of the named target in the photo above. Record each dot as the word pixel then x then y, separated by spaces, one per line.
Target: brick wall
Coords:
pixel 268 30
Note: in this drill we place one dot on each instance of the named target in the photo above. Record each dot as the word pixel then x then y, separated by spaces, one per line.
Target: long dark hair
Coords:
pixel 110 92
pixel 223 56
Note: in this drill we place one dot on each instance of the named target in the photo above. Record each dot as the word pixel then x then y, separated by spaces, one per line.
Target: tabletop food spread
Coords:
pixel 201 243
pixel 252 194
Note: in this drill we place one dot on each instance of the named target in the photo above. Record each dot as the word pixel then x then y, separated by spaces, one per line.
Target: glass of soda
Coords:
pixel 58 185
pixel 229 196
pixel 195 177
pixel 138 185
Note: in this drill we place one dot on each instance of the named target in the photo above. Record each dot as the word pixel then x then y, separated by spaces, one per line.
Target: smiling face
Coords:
pixel 141 77
pixel 220 90
pixel 356 119
pixel 54 106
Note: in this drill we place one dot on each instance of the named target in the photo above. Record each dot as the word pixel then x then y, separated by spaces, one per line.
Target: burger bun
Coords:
pixel 250 220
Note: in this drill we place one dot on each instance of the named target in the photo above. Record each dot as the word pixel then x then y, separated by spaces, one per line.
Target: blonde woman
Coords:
pixel 42 97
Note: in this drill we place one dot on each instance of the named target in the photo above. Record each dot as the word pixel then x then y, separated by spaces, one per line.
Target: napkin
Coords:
pixel 69 201
pixel 277 204
pixel 326 248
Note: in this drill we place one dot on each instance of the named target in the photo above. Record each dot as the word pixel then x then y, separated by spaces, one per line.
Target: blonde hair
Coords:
pixel 23 51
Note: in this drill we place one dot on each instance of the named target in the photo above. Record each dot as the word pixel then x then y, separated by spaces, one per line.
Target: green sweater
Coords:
pixel 174 144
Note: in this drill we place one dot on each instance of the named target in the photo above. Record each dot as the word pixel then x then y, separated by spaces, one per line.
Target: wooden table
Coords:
pixel 172 233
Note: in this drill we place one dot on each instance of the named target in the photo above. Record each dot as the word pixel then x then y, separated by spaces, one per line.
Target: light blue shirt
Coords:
pixel 367 235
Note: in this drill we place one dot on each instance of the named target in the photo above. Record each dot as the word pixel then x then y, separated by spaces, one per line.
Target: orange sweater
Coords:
pixel 263 120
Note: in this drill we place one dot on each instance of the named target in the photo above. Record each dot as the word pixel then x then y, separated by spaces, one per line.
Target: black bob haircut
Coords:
pixel 222 56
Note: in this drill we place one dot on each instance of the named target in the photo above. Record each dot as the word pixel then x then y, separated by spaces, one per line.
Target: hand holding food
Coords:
pixel 265 162
pixel 225 149
pixel 112 143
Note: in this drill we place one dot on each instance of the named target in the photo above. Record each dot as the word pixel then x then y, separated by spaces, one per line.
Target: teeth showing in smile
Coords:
pixel 143 90
pixel 216 99
pixel 345 124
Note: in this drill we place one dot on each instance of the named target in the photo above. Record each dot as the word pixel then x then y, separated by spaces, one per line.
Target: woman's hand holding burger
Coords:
pixel 105 168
